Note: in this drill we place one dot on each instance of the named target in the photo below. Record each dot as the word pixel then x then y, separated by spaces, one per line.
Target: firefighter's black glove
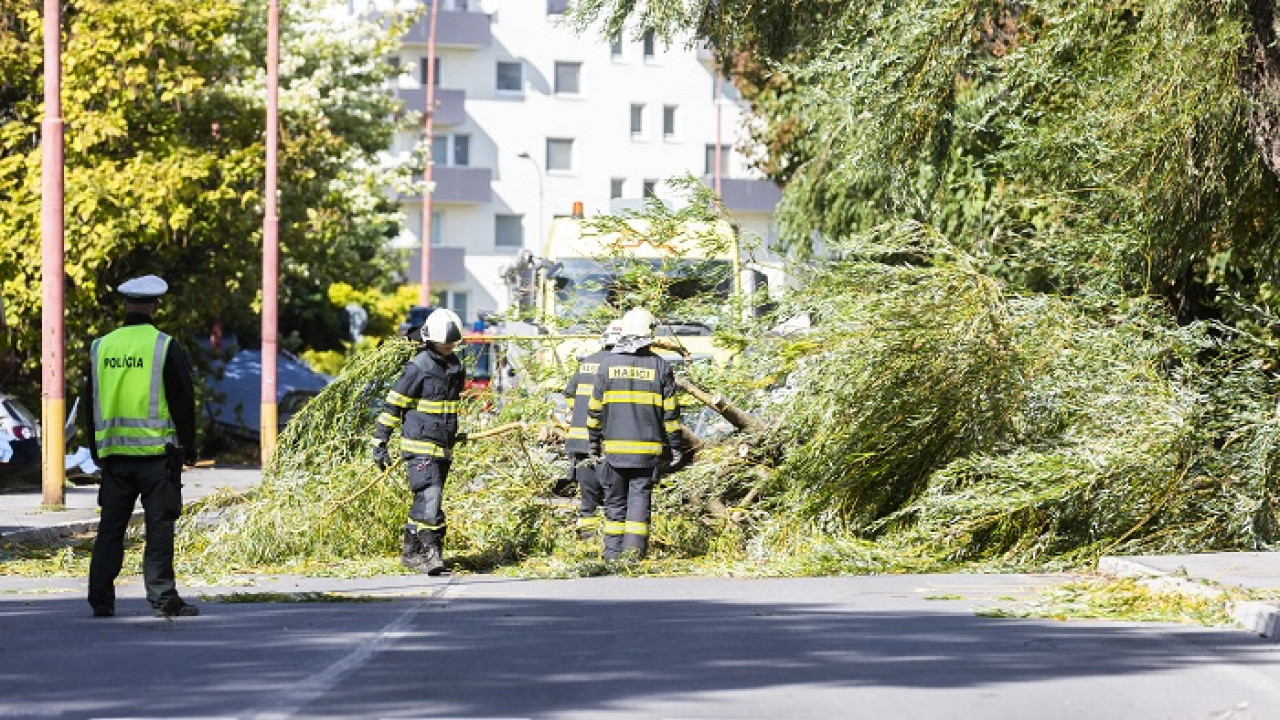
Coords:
pixel 679 459
pixel 381 457
pixel 459 438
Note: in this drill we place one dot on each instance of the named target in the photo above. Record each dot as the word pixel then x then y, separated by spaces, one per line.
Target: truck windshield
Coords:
pixel 477 355
pixel 584 284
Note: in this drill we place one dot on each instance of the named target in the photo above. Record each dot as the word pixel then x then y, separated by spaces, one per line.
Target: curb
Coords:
pixel 55 533
pixel 1261 618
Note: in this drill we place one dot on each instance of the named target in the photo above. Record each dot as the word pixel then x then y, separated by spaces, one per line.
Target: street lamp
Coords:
pixel 53 398
pixel 541 203
pixel 269 412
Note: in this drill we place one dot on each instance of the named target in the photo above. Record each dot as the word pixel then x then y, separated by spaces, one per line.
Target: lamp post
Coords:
pixel 53 402
pixel 268 416
pixel 428 132
pixel 541 201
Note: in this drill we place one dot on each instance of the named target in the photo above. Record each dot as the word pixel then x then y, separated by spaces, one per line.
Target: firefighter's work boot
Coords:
pixel 411 556
pixel 612 546
pixel 432 559
pixel 634 547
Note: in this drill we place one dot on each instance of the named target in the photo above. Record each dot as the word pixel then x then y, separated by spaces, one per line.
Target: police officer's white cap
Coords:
pixel 147 287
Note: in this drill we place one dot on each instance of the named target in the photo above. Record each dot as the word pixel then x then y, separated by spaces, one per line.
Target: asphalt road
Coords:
pixel 897 647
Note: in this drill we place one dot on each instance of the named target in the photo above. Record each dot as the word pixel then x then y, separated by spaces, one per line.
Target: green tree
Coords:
pixel 1125 147
pixel 164 110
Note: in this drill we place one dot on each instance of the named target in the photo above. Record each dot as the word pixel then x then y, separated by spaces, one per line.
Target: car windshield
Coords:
pixel 584 284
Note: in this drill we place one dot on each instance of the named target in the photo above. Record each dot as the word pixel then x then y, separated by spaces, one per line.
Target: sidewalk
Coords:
pixel 23 520
pixel 1207 574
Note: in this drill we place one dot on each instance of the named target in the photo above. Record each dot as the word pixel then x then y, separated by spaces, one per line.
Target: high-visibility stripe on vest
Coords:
pixel 130 410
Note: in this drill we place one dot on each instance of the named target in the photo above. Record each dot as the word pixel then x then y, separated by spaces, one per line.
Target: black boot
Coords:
pixel 612 546
pixel 431 553
pixel 411 556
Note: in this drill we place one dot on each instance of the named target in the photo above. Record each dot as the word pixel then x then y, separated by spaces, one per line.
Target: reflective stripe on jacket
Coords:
pixel 424 404
pixel 130 410
pixel 579 393
pixel 633 412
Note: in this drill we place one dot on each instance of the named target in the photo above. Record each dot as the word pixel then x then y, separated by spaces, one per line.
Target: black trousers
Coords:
pixel 426 480
pixel 590 491
pixel 124 479
pixel 628 502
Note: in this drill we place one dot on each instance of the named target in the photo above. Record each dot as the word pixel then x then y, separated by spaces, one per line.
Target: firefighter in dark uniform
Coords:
pixel 633 421
pixel 424 404
pixel 577 444
pixel 141 429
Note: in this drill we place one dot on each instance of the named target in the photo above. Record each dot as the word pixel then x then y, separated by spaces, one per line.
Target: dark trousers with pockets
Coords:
pixel 628 500
pixel 124 479
pixel 426 480
pixel 590 491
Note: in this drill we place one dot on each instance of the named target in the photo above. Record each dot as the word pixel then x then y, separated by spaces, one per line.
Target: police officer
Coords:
pixel 633 419
pixel 424 403
pixel 577 444
pixel 141 431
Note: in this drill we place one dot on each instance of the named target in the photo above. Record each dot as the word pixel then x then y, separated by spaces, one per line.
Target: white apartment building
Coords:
pixel 532 118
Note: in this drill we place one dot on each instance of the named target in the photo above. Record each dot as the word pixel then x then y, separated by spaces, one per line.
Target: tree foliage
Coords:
pixel 164 116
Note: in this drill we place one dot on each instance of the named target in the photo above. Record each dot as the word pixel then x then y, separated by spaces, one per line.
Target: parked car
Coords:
pixel 21 430
pixel 235 400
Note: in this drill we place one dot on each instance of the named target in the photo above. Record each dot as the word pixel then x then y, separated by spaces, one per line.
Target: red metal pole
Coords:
pixel 52 392
pixel 424 270
pixel 718 160
pixel 269 416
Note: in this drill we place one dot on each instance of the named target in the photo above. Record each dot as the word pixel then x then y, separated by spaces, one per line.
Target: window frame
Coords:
pixel 670 124
pixel 547 157
pixel 497 80
pixel 519 229
pixel 576 65
pixel 637 120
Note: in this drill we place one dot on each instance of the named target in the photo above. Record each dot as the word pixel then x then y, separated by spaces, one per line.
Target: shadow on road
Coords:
pixel 528 657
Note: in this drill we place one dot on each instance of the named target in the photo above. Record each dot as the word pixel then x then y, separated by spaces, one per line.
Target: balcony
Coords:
pixel 454 29
pixel 741 195
pixel 459 185
pixel 450 104
pixel 447 267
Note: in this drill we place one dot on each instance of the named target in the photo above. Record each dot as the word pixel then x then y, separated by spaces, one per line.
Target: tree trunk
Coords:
pixel 1260 78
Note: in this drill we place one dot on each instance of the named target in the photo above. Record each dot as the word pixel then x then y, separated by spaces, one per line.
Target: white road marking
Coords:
pixel 306 691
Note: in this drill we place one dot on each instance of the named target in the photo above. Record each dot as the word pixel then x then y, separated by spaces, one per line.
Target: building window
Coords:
pixel 455 300
pixel 669 121
pixel 422 71
pixel 508 231
pixel 616 186
pixel 710 164
pixel 568 78
pixel 615 47
pixel 557 7
pixel 637 120
pixel 462 150
pixel 437 226
pixel 451 150
pixel 649 43
pixel 559 154
pixel 394 62
pixel 510 76
pixel 649 188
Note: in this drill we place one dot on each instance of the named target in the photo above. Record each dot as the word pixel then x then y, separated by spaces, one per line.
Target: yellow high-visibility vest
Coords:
pixel 130 411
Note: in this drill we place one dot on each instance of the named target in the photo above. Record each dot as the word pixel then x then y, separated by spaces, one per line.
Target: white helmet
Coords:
pixel 613 333
pixel 442 326
pixel 638 323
